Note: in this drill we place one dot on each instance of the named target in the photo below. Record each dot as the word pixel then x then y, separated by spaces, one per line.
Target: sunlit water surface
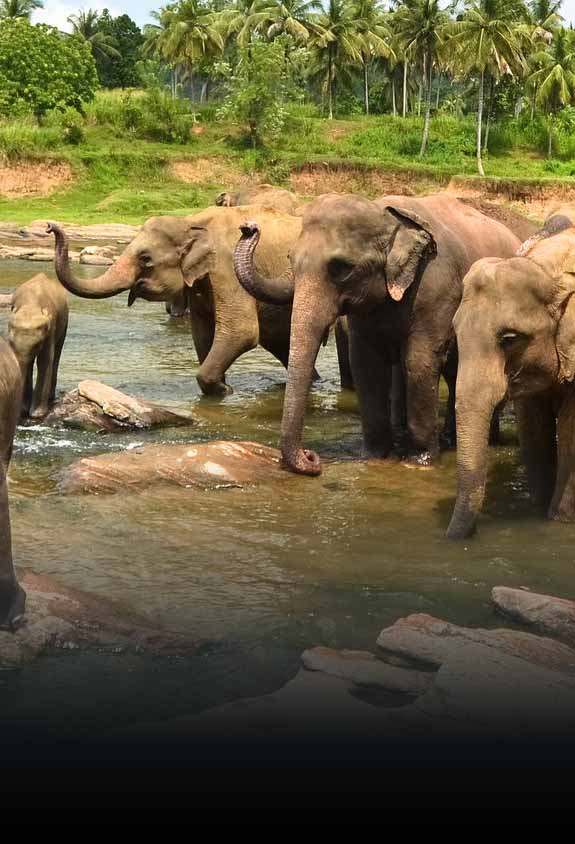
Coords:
pixel 257 574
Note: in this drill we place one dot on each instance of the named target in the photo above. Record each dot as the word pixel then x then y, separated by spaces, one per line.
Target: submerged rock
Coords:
pixel 544 612
pixel 59 617
pixel 94 406
pixel 364 669
pixel 205 465
pixel 98 256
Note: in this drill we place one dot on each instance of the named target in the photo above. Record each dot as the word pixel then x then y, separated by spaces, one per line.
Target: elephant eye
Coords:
pixel 340 269
pixel 507 338
pixel 146 259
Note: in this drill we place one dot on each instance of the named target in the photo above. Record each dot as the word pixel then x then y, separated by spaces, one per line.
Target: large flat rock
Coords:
pixel 546 613
pixel 206 465
pixel 94 406
pixel 36 231
pixel 63 618
pixel 424 639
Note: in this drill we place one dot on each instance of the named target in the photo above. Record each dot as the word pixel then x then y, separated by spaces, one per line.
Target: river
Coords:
pixel 257 576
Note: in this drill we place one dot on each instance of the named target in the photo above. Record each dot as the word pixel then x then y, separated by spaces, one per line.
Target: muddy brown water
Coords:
pixel 257 574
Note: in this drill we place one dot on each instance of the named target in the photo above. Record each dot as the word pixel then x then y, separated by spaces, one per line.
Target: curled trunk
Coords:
pixel 278 291
pixel 117 279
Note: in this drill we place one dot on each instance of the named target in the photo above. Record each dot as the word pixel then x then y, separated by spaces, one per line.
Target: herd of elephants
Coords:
pixel 415 287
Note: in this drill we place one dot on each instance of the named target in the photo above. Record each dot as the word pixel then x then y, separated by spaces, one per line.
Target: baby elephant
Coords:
pixel 37 330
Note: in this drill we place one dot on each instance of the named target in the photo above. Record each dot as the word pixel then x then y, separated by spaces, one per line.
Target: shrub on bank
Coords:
pixel 150 115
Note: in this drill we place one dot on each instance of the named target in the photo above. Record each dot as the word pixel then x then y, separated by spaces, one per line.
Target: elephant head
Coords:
pixel 151 267
pixel 351 256
pixel 515 331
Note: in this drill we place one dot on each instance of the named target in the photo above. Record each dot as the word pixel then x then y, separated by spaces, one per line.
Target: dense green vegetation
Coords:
pixel 265 86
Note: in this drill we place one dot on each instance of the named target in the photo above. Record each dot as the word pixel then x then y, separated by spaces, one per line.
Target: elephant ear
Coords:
pixel 197 255
pixel 565 340
pixel 412 239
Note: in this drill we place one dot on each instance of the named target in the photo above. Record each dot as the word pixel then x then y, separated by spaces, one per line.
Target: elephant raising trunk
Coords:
pixel 277 292
pixel 119 278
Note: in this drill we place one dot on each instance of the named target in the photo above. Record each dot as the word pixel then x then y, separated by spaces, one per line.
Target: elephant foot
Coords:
pixel 13 617
pixel 213 388
pixel 422 460
pixel 39 413
pixel 447 439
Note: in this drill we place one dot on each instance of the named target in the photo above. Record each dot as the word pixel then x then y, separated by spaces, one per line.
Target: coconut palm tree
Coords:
pixel 555 78
pixel 486 40
pixel 285 17
pixel 193 33
pixel 419 25
pixel 335 47
pixel 19 8
pixel 85 26
pixel 158 43
pixel 376 36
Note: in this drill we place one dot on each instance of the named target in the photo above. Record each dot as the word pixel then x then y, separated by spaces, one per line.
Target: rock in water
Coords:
pixel 58 617
pixel 98 256
pixel 205 465
pixel 364 669
pixel 545 612
pixel 94 406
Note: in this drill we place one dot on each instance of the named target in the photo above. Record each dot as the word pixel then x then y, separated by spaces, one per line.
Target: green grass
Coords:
pixel 120 153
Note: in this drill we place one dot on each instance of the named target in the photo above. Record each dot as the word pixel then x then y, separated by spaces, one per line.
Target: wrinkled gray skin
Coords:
pixel 12 596
pixel 173 257
pixel 395 268
pixel 515 331
pixel 37 330
pixel 266 195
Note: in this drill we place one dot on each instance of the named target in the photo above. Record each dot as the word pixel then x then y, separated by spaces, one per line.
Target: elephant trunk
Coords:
pixel 310 321
pixel 117 279
pixel 279 291
pixel 474 408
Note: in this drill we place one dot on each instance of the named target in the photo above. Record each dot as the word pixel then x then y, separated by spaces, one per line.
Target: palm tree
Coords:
pixel 193 33
pixel 555 79
pixel 376 37
pixel 335 46
pixel 544 18
pixel 286 17
pixel 158 43
pixel 419 25
pixel 487 40
pixel 19 8
pixel 85 26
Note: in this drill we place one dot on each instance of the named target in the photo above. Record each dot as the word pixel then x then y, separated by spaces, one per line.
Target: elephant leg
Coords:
pixel 57 356
pixel 537 438
pixel 562 506
pixel 448 437
pixel 27 390
pixel 225 350
pixel 422 370
pixel 12 596
pixel 343 356
pixel 371 373
pixel 398 408
pixel 44 381
pixel 203 328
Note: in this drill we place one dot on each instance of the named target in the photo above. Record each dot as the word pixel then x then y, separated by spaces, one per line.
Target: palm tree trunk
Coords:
pixel 393 96
pixel 404 111
pixel 489 113
pixel 533 102
pixel 427 107
pixel 480 169
pixel 330 84
pixel 438 89
pixel 550 142
pixel 365 86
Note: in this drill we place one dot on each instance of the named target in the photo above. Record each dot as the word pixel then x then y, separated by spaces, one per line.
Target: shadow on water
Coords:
pixel 261 573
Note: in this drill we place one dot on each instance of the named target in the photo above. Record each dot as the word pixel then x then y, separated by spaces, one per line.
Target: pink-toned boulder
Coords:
pixel 69 619
pixel 205 465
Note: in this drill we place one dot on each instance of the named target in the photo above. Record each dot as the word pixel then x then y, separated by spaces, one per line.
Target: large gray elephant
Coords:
pixel 269 196
pixel 395 268
pixel 192 257
pixel 12 596
pixel 515 331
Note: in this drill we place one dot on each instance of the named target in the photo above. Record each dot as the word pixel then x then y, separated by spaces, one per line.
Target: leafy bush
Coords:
pixel 42 69
pixel 25 138
pixel 152 115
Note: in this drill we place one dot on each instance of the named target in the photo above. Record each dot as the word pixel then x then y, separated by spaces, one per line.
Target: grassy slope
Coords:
pixel 122 179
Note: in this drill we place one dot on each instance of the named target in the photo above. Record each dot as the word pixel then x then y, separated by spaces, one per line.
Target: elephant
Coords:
pixel 37 329
pixel 394 266
pixel 12 596
pixel 173 256
pixel 267 195
pixel 515 331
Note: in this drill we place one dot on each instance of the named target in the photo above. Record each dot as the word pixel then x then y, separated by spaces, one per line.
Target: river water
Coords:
pixel 259 574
